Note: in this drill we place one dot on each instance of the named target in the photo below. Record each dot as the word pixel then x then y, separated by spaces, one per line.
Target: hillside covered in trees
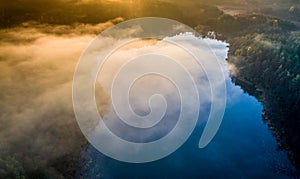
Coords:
pixel 266 59
pixel 264 51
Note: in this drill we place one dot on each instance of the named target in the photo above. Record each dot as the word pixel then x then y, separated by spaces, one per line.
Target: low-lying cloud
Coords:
pixel 37 62
pixel 146 86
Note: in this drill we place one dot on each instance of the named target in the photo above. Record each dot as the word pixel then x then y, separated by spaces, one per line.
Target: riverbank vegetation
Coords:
pixel 264 49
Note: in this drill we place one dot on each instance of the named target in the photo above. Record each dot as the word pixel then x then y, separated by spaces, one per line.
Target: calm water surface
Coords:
pixel 243 148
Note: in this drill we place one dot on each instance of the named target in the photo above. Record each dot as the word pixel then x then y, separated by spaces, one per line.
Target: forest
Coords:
pixel 268 67
pixel 264 49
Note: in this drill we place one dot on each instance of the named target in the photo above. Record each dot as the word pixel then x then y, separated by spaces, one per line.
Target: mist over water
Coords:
pixel 41 42
pixel 243 146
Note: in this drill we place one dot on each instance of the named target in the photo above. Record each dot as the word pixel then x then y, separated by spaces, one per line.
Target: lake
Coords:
pixel 243 147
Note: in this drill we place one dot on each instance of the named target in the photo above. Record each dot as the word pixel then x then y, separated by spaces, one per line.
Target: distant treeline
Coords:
pixel 12 13
pixel 264 49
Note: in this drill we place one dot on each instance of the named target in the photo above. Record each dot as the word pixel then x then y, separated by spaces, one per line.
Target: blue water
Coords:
pixel 243 148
